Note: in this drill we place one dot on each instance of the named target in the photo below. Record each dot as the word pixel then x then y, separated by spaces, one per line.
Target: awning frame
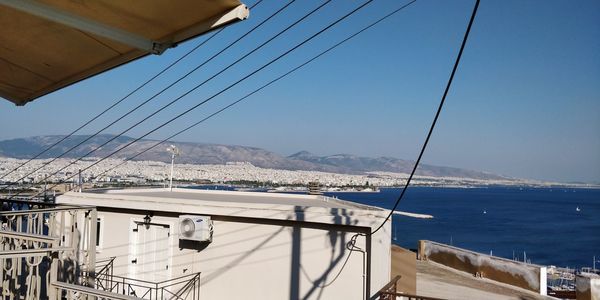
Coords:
pixel 139 45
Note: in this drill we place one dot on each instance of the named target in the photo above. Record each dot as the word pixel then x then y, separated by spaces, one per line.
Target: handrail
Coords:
pixel 106 266
pixel 32 252
pixel 92 291
pixel 46 210
pixel 391 284
pixel 159 282
pixel 27 200
pixel 154 290
pixel 29 236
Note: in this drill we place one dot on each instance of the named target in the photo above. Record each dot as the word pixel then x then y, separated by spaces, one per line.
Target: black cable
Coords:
pixel 112 106
pixel 121 100
pixel 153 97
pixel 258 89
pixel 351 246
pixel 223 90
pixel 437 114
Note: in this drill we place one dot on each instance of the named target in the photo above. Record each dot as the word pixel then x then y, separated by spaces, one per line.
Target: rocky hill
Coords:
pixel 198 153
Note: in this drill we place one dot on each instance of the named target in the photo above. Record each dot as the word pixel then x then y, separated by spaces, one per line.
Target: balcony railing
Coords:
pixel 41 243
pixel 182 288
pixel 48 251
pixel 390 292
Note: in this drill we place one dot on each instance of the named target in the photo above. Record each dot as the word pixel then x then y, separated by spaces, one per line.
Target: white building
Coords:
pixel 264 245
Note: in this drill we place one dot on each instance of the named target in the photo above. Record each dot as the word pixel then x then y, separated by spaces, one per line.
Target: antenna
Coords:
pixel 174 152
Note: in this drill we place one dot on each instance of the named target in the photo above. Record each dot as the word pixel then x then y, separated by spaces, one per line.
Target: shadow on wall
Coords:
pixel 239 259
pixel 336 239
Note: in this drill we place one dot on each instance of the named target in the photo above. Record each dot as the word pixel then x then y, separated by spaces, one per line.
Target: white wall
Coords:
pixel 254 261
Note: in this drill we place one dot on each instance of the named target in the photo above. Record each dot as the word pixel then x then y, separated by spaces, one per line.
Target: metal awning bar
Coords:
pixel 50 13
pixel 239 13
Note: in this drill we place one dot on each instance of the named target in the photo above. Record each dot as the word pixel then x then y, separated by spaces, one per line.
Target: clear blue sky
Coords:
pixel 525 101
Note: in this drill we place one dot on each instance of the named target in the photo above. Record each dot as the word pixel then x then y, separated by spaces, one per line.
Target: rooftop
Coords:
pixel 313 208
pixel 239 197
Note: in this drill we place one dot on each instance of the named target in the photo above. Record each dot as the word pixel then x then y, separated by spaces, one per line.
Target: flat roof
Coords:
pixel 241 197
pixel 311 208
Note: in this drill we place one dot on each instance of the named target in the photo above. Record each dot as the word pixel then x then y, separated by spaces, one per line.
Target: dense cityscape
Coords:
pixel 140 172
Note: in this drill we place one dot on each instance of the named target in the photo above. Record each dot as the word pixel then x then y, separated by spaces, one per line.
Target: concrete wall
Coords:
pixel 527 276
pixel 404 263
pixel 259 260
pixel 587 287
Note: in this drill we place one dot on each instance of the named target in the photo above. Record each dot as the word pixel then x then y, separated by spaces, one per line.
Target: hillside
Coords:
pixel 198 153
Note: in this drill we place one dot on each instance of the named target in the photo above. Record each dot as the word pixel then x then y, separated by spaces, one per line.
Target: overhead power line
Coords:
pixel 155 95
pixel 227 88
pixel 258 89
pixel 120 100
pixel 437 114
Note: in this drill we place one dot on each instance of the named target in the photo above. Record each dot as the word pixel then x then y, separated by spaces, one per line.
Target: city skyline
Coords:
pixel 525 101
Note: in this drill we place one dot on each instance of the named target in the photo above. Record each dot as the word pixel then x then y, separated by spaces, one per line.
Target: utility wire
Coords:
pixel 227 88
pixel 258 89
pixel 437 114
pixel 153 97
pixel 121 100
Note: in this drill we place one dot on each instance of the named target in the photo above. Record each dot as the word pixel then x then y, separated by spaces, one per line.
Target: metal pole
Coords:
pixel 79 181
pixel 171 180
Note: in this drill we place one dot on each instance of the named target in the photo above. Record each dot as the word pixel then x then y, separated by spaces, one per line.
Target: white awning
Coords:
pixel 46 45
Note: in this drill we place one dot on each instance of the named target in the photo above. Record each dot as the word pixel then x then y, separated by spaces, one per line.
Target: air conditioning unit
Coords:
pixel 195 228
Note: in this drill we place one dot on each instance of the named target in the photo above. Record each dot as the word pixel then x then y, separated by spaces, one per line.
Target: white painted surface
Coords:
pixel 251 260
pixel 534 275
pixel 587 284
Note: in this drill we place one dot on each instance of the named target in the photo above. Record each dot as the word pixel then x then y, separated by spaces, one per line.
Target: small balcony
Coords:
pixel 48 251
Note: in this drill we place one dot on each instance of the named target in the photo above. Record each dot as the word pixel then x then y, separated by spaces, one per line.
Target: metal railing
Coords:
pixel 104 271
pixel 390 292
pixel 48 251
pixel 185 287
pixel 41 243
pixel 74 291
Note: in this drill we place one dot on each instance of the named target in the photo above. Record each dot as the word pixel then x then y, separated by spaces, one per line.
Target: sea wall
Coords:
pixel 588 287
pixel 527 276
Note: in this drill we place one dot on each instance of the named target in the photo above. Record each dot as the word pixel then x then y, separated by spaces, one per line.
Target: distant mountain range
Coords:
pixel 198 153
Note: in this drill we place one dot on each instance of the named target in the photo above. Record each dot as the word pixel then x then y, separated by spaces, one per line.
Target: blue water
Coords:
pixel 541 222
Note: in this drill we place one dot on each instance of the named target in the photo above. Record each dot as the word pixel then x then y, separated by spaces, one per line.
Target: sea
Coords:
pixel 541 225
pixel 545 226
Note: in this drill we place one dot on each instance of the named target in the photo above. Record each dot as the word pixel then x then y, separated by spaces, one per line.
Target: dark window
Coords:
pixel 98 222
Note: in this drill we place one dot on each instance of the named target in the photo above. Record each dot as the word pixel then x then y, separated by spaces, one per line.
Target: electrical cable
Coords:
pixel 437 114
pixel 153 97
pixel 351 246
pixel 225 89
pixel 122 99
pixel 258 89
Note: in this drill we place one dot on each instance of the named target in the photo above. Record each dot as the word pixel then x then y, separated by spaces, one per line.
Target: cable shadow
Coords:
pixel 236 261
pixel 340 216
